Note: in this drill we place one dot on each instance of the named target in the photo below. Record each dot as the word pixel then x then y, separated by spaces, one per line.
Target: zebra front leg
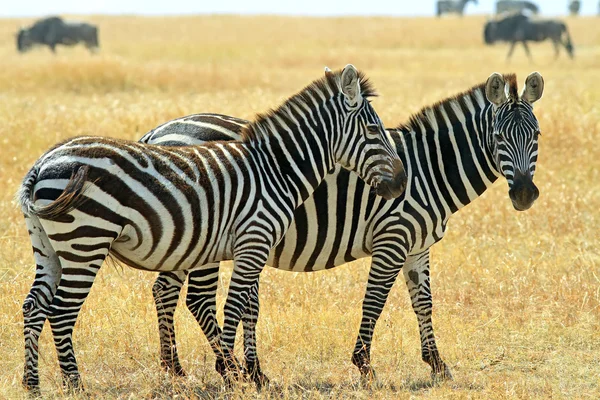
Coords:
pixel 36 306
pixel 249 321
pixel 246 273
pixel 416 274
pixel 78 273
pixel 384 271
pixel 166 291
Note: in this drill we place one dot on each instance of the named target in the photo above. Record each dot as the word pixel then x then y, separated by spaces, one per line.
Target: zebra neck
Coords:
pixel 449 148
pixel 296 160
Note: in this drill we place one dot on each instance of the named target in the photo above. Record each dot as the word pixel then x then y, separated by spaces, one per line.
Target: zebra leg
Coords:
pixel 36 306
pixel 166 290
pixel 416 274
pixel 250 354
pixel 78 273
pixel 201 301
pixel 385 267
pixel 244 280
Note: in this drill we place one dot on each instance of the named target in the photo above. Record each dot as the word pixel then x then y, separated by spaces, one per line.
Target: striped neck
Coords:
pixel 449 146
pixel 296 146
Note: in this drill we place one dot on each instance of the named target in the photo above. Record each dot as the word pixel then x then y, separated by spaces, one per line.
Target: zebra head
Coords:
pixel 365 147
pixel 515 134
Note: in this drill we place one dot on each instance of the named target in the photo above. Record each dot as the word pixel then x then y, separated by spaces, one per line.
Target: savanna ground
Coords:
pixel 516 294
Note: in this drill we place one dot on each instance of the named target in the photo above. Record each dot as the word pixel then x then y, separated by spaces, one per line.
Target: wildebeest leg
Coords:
pixel 510 50
pixel 556 48
pixel 527 50
pixel 52 47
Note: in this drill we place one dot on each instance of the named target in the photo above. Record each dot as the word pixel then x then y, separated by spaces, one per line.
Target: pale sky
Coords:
pixel 17 8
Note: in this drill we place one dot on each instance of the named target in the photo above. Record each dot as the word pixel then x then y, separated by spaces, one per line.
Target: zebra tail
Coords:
pixel 71 197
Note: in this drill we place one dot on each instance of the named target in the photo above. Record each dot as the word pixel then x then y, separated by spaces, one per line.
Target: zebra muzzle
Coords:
pixel 392 188
pixel 523 192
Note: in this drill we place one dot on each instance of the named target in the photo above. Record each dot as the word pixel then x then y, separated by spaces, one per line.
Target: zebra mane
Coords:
pixel 428 116
pixel 326 87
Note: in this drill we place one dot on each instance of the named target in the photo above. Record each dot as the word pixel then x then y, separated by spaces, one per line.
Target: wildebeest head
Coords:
pixel 489 32
pixel 24 42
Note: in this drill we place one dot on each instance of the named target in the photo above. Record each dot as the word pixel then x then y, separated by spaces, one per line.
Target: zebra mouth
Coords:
pixel 394 187
pixel 523 192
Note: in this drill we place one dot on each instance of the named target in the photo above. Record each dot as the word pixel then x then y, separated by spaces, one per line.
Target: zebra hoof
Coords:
pixel 174 369
pixel 32 386
pixel 442 375
pixel 230 370
pixel 72 383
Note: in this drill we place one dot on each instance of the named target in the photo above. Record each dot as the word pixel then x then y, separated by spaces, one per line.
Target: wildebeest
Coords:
pixel 54 30
pixel 574 7
pixel 511 6
pixel 520 28
pixel 452 6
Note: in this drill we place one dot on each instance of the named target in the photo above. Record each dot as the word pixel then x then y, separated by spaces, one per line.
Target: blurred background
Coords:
pixel 307 7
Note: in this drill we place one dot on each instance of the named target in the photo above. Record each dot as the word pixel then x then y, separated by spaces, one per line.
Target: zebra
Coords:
pixel 518 6
pixel 160 208
pixel 452 151
pixel 452 6
pixel 520 28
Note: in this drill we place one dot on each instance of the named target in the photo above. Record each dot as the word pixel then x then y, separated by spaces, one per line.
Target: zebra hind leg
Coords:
pixel 416 274
pixel 249 321
pixel 79 268
pixel 166 291
pixel 201 301
pixel 36 306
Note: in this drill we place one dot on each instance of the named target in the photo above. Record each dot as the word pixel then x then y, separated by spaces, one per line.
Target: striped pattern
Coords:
pixel 162 208
pixel 453 151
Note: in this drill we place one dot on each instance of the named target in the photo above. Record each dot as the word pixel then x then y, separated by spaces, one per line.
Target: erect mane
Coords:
pixel 328 86
pixel 423 116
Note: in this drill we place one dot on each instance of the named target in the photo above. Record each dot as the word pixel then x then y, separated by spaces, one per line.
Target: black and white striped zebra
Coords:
pixel 453 151
pixel 163 208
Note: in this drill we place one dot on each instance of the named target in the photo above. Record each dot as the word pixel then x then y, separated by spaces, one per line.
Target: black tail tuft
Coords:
pixel 71 197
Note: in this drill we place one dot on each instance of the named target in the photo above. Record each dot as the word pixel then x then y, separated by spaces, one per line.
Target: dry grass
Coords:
pixel 516 294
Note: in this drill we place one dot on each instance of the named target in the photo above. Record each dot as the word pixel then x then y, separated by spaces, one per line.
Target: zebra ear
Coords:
pixel 495 89
pixel 351 85
pixel 534 87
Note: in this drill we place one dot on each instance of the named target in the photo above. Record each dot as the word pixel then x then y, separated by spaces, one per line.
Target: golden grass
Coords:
pixel 516 294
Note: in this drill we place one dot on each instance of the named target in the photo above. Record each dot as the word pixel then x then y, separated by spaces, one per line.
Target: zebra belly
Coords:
pixel 331 228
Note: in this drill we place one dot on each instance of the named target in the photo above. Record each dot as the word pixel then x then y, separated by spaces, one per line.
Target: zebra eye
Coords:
pixel 499 136
pixel 373 128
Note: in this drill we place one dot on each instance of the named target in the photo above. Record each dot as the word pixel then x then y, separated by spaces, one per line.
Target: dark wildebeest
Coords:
pixel 53 30
pixel 574 7
pixel 452 6
pixel 520 28
pixel 511 6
